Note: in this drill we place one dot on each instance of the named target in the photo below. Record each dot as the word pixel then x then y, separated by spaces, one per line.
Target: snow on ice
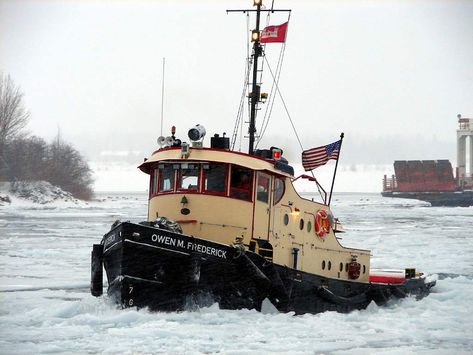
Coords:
pixel 41 192
pixel 46 307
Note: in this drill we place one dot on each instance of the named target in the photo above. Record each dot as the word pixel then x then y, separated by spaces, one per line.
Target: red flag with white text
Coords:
pixel 274 34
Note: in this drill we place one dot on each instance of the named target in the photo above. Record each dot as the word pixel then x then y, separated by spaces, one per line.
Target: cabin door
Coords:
pixel 261 213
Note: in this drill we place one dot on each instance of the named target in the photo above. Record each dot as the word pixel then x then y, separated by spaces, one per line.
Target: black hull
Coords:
pixel 165 271
pixel 451 199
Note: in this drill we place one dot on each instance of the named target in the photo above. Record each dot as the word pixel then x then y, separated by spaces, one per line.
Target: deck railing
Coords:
pixel 389 184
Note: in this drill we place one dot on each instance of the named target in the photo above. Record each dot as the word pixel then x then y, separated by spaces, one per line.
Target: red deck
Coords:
pixel 387 276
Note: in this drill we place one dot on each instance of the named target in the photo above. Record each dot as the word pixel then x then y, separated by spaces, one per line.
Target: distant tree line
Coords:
pixel 30 158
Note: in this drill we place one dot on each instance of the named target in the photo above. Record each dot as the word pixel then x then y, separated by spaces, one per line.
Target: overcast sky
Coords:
pixel 392 75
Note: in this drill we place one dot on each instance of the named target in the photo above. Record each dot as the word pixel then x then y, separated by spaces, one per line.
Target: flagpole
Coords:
pixel 335 170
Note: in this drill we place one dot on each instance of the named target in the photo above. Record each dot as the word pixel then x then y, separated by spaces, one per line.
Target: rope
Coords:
pixel 272 98
pixel 292 124
pixel 269 107
pixel 285 107
pixel 239 119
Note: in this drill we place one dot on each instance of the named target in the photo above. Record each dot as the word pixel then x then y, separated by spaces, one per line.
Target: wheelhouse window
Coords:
pixel 278 189
pixel 215 178
pixel 188 177
pixel 154 181
pixel 262 187
pixel 166 177
pixel 212 178
pixel 241 184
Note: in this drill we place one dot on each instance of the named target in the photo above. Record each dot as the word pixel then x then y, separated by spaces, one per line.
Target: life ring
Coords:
pixel 322 223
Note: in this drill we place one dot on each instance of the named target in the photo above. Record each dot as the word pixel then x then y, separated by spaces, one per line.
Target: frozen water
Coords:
pixel 46 307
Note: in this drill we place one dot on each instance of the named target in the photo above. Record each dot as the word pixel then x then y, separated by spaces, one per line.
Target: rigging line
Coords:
pixel 275 82
pixel 260 79
pixel 267 108
pixel 239 118
pixel 236 124
pixel 245 90
pixel 287 111
pixel 247 38
pixel 272 97
pixel 240 111
pixel 297 136
pixel 162 96
pixel 271 100
pixel 285 106
pixel 247 76
pixel 268 19
pixel 278 74
pixel 293 127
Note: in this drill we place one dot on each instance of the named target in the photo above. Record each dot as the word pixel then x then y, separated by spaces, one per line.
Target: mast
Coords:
pixel 255 91
pixel 257 52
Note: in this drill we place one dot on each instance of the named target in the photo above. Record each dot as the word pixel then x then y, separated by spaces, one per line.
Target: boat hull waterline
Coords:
pixel 166 271
pixel 437 198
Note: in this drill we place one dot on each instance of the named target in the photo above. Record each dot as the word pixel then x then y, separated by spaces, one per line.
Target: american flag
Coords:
pixel 312 158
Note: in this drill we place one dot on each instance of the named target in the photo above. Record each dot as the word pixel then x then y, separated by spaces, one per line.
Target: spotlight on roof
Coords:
pixel 196 133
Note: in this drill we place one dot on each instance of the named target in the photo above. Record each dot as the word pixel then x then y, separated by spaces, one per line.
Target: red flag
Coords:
pixel 315 157
pixel 273 34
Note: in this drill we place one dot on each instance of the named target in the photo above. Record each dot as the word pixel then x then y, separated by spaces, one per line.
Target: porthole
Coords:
pixel 286 219
pixel 341 266
pixel 329 265
pixel 323 265
pixel 364 269
pixel 309 226
pixel 346 267
pixel 301 224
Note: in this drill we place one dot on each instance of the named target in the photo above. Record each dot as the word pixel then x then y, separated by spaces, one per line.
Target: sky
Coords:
pixel 391 75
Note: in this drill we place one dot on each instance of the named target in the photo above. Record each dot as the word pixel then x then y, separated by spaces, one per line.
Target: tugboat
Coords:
pixel 229 227
pixel 432 180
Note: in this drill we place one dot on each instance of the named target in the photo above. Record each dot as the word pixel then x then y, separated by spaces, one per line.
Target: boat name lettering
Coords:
pixel 207 250
pixel 167 240
pixel 164 239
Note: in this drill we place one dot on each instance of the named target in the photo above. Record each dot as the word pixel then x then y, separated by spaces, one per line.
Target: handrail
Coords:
pixel 312 178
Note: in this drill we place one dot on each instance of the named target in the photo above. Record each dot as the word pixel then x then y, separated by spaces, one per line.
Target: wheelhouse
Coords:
pixel 215 178
pixel 210 189
pixel 224 196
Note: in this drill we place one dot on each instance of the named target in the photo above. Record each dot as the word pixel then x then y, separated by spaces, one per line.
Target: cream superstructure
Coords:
pixel 271 218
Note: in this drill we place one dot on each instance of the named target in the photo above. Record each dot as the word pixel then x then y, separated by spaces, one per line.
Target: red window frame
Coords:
pixel 204 176
pixel 234 191
pixel 173 187
pixel 153 181
pixel 179 177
